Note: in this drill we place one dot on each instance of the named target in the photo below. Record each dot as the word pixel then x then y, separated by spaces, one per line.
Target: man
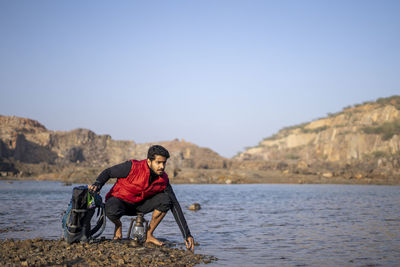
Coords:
pixel 142 186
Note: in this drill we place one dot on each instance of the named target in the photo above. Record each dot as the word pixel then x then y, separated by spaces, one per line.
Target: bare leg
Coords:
pixel 155 221
pixel 118 229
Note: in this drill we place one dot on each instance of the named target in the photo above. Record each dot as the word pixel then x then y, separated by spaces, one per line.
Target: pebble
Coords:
pixel 195 206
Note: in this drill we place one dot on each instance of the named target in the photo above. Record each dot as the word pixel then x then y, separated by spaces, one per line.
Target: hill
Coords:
pixel 361 142
pixel 28 149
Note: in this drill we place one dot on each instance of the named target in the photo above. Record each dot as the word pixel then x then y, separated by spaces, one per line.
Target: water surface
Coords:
pixel 244 225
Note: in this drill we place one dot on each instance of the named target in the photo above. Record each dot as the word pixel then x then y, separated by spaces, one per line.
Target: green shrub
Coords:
pixel 379 154
pixel 393 100
pixel 386 130
pixel 292 156
pixel 271 138
pixel 367 102
pixel 332 114
pixel 347 107
pixel 316 130
pixel 301 126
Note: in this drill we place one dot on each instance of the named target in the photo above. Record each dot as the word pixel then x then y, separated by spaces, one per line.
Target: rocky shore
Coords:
pixel 40 252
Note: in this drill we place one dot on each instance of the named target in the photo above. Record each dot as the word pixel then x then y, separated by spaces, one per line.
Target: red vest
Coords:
pixel 135 187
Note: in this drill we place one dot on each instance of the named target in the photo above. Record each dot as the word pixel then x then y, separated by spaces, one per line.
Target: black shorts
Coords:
pixel 116 207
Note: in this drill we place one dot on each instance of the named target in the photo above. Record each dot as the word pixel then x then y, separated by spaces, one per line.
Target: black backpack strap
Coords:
pixel 100 225
pixel 101 213
pixel 79 210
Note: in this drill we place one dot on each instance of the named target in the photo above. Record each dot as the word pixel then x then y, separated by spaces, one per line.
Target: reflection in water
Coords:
pixel 244 225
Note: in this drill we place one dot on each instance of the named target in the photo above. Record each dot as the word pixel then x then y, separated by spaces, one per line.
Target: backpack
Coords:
pixel 76 222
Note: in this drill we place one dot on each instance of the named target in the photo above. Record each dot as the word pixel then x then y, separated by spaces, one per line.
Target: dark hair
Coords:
pixel 157 150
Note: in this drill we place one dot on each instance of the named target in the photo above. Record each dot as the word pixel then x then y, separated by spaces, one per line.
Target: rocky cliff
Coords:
pixel 28 149
pixel 360 142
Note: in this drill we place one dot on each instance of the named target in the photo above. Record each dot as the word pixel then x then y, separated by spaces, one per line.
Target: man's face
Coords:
pixel 158 164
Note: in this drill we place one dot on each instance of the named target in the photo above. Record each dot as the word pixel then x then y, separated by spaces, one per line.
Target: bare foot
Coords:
pixel 155 241
pixel 118 231
pixel 118 234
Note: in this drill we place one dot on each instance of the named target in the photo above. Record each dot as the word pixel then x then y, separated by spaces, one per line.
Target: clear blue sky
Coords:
pixel 220 74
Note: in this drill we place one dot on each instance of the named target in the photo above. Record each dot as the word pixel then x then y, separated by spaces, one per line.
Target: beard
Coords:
pixel 157 171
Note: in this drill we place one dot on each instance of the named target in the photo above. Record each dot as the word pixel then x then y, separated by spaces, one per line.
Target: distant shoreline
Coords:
pixel 301 179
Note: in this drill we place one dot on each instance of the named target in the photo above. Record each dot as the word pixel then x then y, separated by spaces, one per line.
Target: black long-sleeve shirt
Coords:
pixel 122 171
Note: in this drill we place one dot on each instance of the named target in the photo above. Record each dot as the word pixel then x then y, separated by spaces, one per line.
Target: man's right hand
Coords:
pixel 190 244
pixel 93 188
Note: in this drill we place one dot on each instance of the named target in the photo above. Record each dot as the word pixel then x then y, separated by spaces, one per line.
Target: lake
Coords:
pixel 244 225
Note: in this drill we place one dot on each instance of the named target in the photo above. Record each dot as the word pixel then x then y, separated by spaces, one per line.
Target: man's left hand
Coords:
pixel 93 188
pixel 190 243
